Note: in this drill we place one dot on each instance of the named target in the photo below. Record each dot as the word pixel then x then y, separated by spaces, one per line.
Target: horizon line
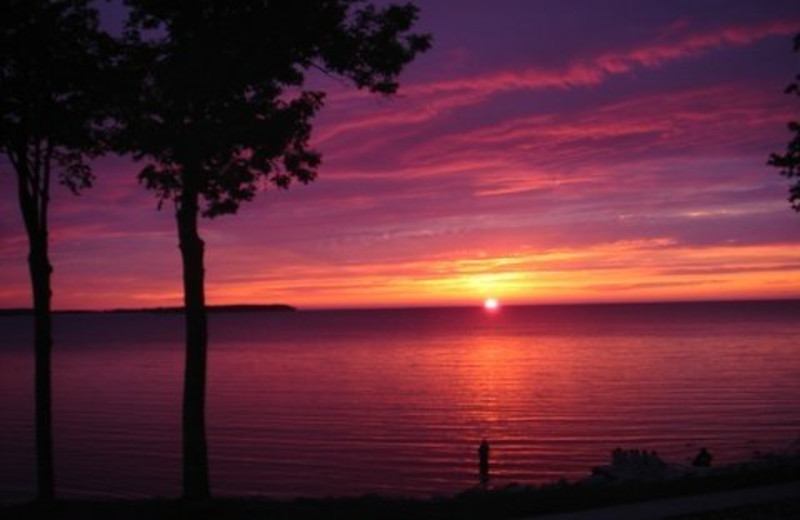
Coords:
pixel 284 307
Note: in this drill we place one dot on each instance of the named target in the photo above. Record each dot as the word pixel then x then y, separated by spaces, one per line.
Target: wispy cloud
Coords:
pixel 435 98
pixel 596 69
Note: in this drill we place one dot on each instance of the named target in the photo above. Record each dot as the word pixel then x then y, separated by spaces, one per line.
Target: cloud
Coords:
pixel 355 122
pixel 594 70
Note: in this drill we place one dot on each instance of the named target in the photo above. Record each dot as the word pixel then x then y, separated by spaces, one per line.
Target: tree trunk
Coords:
pixel 40 270
pixel 195 456
pixel 33 194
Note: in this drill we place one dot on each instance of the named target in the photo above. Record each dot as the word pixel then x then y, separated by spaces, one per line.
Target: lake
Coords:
pixel 396 402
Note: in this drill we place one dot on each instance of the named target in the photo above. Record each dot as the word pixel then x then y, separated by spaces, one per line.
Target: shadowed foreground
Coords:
pixel 753 493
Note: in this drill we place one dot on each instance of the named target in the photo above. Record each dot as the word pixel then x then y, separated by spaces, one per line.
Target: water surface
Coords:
pixel 396 401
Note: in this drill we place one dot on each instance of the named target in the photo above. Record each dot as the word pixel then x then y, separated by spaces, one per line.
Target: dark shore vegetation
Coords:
pixel 515 501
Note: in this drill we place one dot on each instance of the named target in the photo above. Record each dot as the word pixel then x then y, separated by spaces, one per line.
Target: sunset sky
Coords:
pixel 541 152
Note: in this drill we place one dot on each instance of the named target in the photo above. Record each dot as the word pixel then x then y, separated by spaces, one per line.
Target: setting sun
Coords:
pixel 491 304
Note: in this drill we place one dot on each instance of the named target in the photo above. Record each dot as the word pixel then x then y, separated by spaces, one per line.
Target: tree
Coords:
pixel 789 162
pixel 219 108
pixel 50 124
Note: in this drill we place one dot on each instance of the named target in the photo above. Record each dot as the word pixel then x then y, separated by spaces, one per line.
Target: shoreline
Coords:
pixel 765 472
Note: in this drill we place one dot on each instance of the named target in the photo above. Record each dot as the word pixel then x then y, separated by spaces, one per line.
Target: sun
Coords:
pixel 491 304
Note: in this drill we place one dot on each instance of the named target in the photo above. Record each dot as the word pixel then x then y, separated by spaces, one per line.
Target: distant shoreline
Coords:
pixel 238 308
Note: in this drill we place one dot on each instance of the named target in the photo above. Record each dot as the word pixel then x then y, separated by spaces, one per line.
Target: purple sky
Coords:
pixel 542 151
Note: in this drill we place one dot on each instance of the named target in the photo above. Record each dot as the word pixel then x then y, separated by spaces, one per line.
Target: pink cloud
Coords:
pixel 696 122
pixel 594 70
pixel 420 103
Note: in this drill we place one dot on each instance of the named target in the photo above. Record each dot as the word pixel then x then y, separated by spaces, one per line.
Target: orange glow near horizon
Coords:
pixel 637 271
pixel 621 271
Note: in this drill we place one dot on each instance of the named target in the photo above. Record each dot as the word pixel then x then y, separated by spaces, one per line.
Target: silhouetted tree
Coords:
pixel 220 108
pixel 50 64
pixel 789 162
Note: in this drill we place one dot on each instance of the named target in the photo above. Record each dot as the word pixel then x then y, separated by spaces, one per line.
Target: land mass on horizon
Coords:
pixel 271 307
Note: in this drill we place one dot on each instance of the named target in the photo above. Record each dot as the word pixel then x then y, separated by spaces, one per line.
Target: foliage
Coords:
pixel 51 86
pixel 219 87
pixel 789 162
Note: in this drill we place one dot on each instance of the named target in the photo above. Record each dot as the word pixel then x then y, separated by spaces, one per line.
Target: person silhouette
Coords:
pixel 483 462
pixel 703 459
